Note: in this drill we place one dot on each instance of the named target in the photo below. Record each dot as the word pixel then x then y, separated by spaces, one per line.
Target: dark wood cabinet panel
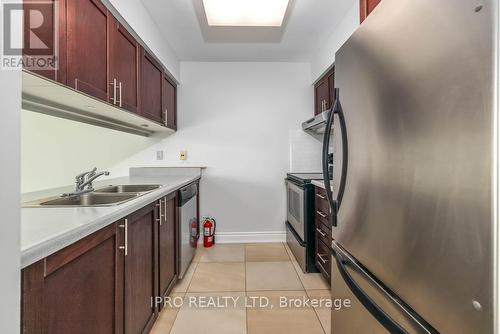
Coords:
pixel 124 61
pixel 323 232
pixel 169 103
pixel 324 92
pixel 49 40
pixel 76 290
pixel 366 7
pixel 140 270
pixel 321 96
pixel 323 259
pixel 151 92
pixel 167 232
pixel 87 42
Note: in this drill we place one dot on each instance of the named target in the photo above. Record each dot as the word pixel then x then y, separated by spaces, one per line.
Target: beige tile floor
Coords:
pixel 235 278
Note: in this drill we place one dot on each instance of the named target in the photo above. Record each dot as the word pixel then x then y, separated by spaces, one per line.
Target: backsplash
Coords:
pixel 305 152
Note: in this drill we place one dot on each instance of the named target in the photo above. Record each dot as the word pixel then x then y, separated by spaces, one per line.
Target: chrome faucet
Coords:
pixel 83 182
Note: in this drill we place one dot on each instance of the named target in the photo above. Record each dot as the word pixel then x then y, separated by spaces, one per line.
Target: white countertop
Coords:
pixel 46 230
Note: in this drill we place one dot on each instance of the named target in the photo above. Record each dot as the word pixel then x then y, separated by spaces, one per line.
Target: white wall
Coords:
pixel 54 150
pixel 10 95
pixel 325 57
pixel 139 19
pixel 238 119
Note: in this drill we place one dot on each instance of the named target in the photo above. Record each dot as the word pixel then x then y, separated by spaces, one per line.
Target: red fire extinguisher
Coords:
pixel 209 232
pixel 194 233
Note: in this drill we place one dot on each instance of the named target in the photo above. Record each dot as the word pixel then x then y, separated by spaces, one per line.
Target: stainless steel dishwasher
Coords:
pixel 189 226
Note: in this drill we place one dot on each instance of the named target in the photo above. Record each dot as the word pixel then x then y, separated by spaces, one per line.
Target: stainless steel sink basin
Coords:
pixel 92 199
pixel 131 188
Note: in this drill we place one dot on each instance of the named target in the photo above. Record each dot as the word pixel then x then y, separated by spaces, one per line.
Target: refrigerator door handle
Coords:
pixel 335 204
pixel 376 311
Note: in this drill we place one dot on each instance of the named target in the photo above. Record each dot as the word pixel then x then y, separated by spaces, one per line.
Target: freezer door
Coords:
pixel 353 287
pixel 416 86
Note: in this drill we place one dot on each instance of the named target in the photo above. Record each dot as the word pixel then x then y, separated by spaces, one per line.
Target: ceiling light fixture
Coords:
pixel 245 13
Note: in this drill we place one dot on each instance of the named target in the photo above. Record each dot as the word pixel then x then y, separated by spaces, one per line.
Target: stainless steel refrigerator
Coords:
pixel 413 140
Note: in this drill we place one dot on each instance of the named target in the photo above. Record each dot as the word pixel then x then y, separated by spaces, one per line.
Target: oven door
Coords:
pixel 295 207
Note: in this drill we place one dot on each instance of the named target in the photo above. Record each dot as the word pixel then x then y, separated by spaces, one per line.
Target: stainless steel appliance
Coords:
pixel 317 124
pixel 188 208
pixel 300 218
pixel 412 200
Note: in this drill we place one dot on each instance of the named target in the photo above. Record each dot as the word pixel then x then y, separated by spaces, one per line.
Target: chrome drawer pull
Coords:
pixel 321 196
pixel 321 214
pixel 321 258
pixel 323 234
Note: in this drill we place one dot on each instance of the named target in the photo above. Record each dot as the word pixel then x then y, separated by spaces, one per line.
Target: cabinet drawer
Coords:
pixel 323 259
pixel 320 193
pixel 323 234
pixel 322 216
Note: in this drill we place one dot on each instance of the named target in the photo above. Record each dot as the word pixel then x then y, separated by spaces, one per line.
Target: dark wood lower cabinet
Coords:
pixel 167 232
pixel 77 289
pixel 104 283
pixel 140 270
pixel 323 233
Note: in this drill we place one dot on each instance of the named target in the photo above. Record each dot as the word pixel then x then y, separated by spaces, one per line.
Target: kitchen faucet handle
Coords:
pixel 82 175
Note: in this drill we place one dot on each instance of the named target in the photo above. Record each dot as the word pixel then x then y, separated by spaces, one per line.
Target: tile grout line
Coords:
pixel 246 291
pixel 307 294
pixel 176 314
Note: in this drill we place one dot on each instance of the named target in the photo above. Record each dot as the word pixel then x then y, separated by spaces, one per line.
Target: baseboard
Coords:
pixel 249 237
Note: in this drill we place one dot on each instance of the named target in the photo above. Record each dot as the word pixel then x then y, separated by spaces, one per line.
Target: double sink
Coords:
pixel 107 196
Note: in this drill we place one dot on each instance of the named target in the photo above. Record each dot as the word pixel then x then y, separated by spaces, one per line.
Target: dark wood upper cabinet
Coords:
pixel 78 289
pixel 366 7
pixel 324 92
pixel 141 278
pixel 169 103
pixel 151 92
pixel 167 231
pixel 46 41
pixel 125 58
pixel 87 43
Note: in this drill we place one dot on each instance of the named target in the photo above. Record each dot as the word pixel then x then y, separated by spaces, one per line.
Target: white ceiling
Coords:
pixel 307 24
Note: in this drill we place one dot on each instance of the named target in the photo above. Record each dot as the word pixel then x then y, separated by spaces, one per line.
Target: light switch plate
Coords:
pixel 160 155
pixel 183 155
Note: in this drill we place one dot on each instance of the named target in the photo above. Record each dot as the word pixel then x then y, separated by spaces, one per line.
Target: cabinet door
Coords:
pixel 140 270
pixel 331 88
pixel 151 94
pixel 321 98
pixel 78 289
pixel 169 103
pixel 87 40
pixel 124 67
pixel 166 241
pixel 366 7
pixel 51 33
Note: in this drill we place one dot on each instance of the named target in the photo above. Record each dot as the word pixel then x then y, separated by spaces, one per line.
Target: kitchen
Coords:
pixel 250 166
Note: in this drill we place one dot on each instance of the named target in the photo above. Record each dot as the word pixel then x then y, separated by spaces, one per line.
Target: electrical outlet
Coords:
pixel 183 155
pixel 160 155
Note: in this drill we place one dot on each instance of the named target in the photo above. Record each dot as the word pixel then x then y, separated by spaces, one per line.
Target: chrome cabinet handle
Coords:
pixel 125 247
pixel 321 196
pixel 323 234
pixel 162 215
pixel 165 209
pixel 321 213
pixel 114 90
pixel 120 93
pixel 166 116
pixel 321 258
